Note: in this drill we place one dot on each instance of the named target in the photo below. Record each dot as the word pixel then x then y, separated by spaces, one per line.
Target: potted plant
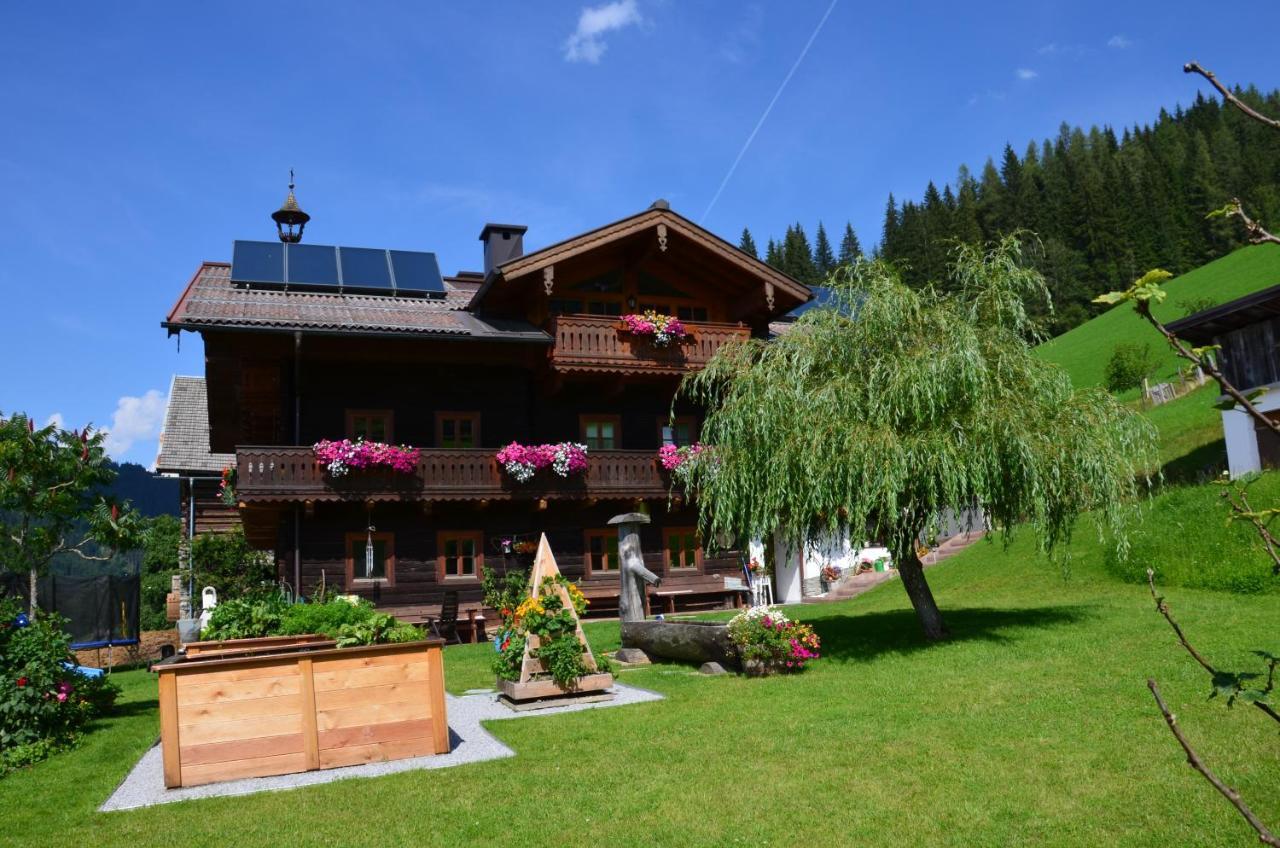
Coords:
pixel 662 330
pixel 768 642
pixel 522 462
pixel 339 457
pixel 830 577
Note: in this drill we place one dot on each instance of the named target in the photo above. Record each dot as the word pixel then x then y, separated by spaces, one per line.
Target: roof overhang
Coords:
pixel 1203 327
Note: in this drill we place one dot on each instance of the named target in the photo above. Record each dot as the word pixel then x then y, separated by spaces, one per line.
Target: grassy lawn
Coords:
pixel 1032 726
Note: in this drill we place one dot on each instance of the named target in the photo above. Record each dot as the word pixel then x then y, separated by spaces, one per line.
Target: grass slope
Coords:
pixel 1031 727
pixel 1084 350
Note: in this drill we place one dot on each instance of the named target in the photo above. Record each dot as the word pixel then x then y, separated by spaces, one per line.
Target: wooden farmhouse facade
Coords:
pixel 532 349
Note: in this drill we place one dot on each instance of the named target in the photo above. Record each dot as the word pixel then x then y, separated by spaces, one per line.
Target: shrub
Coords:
pixel 44 702
pixel 1130 364
pixel 229 564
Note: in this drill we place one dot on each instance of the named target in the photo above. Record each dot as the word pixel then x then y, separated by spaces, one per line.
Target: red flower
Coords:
pixel 22 681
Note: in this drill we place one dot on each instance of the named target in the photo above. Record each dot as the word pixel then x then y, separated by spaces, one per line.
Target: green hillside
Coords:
pixel 1190 428
pixel 1084 351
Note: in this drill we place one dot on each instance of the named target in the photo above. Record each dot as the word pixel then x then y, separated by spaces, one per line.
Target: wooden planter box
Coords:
pixel 300 708
pixel 536 689
pixel 263 645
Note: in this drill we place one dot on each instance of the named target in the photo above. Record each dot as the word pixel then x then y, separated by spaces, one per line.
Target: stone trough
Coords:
pixel 694 642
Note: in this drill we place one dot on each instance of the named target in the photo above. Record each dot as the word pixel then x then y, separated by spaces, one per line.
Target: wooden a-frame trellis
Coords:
pixel 533 682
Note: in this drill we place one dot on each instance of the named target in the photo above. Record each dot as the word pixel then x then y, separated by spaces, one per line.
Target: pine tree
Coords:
pixel 747 244
pixel 889 234
pixel 850 249
pixel 772 255
pixel 824 259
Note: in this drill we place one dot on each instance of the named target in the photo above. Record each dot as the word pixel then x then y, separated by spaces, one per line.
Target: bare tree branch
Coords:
pixel 1227 95
pixel 1265 836
pixel 1256 232
pixel 1238 499
pixel 1163 609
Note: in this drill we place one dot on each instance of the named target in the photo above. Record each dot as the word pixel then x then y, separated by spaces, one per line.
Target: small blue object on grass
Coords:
pixel 84 670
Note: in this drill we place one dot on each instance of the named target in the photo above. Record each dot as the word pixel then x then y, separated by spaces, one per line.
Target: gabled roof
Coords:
pixel 184 441
pixel 212 301
pixel 677 226
pixel 1203 327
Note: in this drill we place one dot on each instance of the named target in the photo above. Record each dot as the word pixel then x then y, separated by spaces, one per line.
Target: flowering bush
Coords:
pixel 767 635
pixel 341 456
pixel 227 486
pixel 523 461
pixel 679 460
pixel 44 702
pixel 665 329
pixel 830 573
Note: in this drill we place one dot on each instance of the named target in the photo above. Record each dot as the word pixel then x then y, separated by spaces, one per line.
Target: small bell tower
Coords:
pixel 290 219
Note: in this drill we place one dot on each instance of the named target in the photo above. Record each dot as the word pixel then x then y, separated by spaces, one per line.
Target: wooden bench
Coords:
pixel 471 618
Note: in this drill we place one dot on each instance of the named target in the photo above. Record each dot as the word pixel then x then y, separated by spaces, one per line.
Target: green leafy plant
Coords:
pixel 378 628
pixel 266 613
pixel 44 703
pixel 766 635
pixel 543 614
pixel 1129 365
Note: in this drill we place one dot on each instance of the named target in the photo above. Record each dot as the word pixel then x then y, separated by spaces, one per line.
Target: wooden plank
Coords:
pixel 194 690
pixel 409 690
pixel 394 731
pixel 169 738
pixel 249 728
pixel 549 688
pixel 308 709
pixel 375 752
pixel 374 661
pixel 439 713
pixel 239 708
pixel 328 680
pixel 239 749
pixel 371 714
pixel 232 770
pixel 273 667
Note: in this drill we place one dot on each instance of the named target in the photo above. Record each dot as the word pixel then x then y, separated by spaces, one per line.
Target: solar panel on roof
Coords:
pixel 416 273
pixel 311 265
pixel 365 268
pixel 257 262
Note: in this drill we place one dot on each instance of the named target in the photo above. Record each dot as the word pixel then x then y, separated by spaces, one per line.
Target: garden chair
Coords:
pixel 446 626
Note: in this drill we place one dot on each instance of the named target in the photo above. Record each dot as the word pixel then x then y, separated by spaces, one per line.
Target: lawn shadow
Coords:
pixel 1200 465
pixel 864 637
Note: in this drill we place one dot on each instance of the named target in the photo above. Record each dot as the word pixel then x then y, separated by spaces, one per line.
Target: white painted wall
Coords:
pixel 786 574
pixel 1242 439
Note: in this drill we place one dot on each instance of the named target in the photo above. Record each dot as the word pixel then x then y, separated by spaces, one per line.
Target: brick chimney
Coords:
pixel 502 243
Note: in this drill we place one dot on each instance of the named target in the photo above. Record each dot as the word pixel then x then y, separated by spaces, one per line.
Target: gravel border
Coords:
pixel 469 742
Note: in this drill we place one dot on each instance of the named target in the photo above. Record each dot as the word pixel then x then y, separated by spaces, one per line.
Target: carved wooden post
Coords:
pixel 631 568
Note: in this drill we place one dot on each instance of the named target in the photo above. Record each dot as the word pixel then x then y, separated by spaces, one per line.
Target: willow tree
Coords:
pixel 892 407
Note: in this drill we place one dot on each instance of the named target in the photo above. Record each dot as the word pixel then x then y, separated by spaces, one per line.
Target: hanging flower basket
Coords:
pixel 663 330
pixel 339 457
pixel 522 462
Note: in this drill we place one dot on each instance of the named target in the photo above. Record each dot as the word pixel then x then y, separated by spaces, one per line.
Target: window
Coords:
pixel 458 429
pixel 681 549
pixel 691 313
pixel 604 307
pixel 681 432
pixel 601 432
pixel 459 556
pixel 372 425
pixel 602 551
pixel 382 568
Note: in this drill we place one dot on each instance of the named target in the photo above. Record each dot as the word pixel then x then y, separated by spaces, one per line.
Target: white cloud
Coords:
pixel 1026 74
pixel 586 44
pixel 744 38
pixel 1049 49
pixel 1119 42
pixel 136 419
pixel 56 420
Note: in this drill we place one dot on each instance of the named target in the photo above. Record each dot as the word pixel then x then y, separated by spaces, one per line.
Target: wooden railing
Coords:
pixel 288 473
pixel 590 343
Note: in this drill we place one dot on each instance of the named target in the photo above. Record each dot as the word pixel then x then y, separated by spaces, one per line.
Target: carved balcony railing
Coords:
pixel 585 343
pixel 288 473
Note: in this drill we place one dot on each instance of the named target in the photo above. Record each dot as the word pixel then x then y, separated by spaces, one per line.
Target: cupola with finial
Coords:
pixel 290 219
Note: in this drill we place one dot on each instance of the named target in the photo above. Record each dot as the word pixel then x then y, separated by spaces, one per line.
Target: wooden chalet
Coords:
pixel 531 349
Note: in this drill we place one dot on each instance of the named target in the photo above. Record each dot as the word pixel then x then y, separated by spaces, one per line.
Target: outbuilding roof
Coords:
pixel 184 442
pixel 1203 327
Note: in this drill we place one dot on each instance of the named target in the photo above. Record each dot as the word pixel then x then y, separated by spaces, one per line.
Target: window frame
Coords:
pixel 442 574
pixel 691 420
pixel 353 582
pixel 458 415
pixel 666 550
pixel 389 423
pixel 600 418
pixel 588 560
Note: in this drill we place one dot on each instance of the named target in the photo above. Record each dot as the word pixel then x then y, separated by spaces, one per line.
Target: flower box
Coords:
pixel 300 707
pixel 662 330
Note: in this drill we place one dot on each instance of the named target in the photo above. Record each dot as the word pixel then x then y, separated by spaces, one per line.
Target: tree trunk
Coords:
pixel 911 570
pixel 32 580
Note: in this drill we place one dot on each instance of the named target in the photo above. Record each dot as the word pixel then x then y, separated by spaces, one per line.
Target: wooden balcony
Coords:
pixel 290 474
pixel 586 343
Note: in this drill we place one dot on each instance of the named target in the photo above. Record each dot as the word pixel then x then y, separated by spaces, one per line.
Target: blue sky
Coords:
pixel 141 139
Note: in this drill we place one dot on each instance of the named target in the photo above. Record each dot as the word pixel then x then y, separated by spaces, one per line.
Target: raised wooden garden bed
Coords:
pixel 263 645
pixel 300 708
